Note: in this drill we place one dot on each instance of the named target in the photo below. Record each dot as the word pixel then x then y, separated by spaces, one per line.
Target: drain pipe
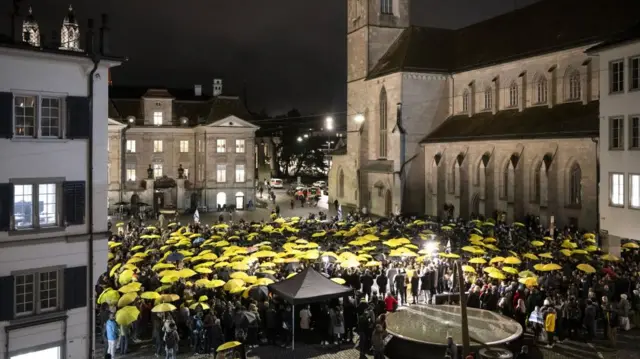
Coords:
pixel 90 302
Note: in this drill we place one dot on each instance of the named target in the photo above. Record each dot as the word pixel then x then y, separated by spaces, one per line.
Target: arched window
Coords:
pixel 341 183
pixel 537 181
pixel 382 145
pixel 574 90
pixel 575 185
pixel 452 179
pixel 513 94
pixel 465 101
pixel 505 181
pixel 541 89
pixel 386 6
pixel 488 98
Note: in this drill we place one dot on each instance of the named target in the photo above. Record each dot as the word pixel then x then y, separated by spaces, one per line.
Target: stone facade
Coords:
pixel 387 167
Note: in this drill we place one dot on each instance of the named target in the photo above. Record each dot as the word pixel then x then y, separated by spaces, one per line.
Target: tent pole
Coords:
pixel 293 327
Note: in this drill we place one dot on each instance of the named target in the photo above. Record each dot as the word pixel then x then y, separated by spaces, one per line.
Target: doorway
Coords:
pixel 221 199
pixel 158 200
pixel 239 201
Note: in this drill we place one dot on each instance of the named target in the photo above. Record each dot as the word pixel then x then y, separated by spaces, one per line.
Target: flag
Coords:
pixel 340 213
pixel 196 216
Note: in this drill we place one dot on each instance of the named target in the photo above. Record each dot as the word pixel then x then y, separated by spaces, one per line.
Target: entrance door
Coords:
pixel 239 200
pixel 221 199
pixel 158 201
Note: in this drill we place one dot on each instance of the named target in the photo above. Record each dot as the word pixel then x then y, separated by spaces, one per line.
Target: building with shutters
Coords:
pixel 53 131
pixel 499 117
pixel 180 149
pixel 620 136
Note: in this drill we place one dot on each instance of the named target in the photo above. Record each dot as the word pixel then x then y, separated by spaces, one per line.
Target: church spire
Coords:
pixel 31 30
pixel 70 32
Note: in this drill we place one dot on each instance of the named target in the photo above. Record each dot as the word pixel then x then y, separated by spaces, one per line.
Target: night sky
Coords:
pixel 290 53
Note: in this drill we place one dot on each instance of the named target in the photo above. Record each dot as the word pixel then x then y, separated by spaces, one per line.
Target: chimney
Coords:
pixel 90 38
pixel 104 35
pixel 217 87
pixel 197 90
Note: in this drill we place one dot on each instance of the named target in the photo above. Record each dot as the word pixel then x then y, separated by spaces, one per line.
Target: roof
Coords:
pixel 543 27
pixel 8 42
pixel 568 120
pixel 205 109
pixel 309 286
pixel 622 37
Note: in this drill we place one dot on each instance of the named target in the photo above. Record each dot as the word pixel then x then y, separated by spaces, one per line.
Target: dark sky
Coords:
pixel 290 53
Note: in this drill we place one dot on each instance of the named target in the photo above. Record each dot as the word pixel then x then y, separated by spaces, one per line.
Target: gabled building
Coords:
pixel 181 149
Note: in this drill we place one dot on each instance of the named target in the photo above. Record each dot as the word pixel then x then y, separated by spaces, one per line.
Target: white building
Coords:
pixel 620 135
pixel 497 118
pixel 48 262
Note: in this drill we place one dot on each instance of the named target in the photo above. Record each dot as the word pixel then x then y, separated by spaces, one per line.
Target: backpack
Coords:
pixel 170 340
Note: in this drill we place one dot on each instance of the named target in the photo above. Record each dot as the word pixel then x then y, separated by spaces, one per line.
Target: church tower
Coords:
pixel 31 30
pixel 372 26
pixel 70 32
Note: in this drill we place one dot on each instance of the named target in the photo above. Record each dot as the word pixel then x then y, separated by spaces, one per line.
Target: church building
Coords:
pixel 499 117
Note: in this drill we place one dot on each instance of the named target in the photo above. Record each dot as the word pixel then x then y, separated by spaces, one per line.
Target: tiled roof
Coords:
pixel 545 26
pixel 568 120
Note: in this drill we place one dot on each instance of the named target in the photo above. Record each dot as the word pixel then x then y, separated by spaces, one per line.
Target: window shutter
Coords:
pixel 7 285
pixel 78 122
pixel 73 202
pixel 6 206
pixel 75 288
pixel 6 115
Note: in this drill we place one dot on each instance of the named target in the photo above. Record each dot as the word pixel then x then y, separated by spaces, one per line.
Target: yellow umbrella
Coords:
pixel 545 255
pixel 228 345
pixel 204 306
pixel 551 267
pixel 631 245
pixel 150 295
pixel 586 268
pixel 233 284
pixel 477 260
pixel 127 315
pixel 497 275
pixel 468 269
pixel 529 281
pixel 239 275
pixel 164 307
pixel 127 299
pixel 186 273
pixel 609 257
pixel 530 256
pixel 204 270
pixel 109 295
pixel 131 287
pixel 264 281
pixel 537 243
pixel 169 279
pixel 496 260
pixel 512 260
pixel 216 283
pixel 510 270
pixel 339 280
pixel 113 270
pixel 526 274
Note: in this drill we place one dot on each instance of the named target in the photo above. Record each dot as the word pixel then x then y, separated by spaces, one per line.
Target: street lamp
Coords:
pixel 299 139
pixel 359 118
pixel 328 123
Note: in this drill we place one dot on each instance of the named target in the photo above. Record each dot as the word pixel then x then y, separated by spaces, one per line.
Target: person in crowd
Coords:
pixel 550 326
pixel 112 335
pixel 378 341
pixel 171 340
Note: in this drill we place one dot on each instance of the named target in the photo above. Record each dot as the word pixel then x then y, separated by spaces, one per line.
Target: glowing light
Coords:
pixel 359 118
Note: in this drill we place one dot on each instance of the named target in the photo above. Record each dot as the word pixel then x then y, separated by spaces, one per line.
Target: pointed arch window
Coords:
pixel 575 185
pixel 513 94
pixel 465 101
pixel 574 90
pixel 541 89
pixel 537 183
pixel 382 126
pixel 386 7
pixel 488 98
pixel 505 181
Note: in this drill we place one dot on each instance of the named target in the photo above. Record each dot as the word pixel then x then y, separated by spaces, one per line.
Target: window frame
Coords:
pixel 161 147
pixel 221 171
pixel 488 98
pixel 244 173
pixel 158 166
pixel 35 203
pixel 465 101
pixel 541 90
pixel 574 86
pixel 185 148
pixel 621 139
pixel 612 63
pixel 630 145
pixel 37 295
pixel 620 186
pixel 631 192
pixel 130 149
pixel 156 117
pixel 240 145
pixel 221 145
pixel 386 7
pixel 37 121
pixel 383 118
pixel 513 92
pixel 127 174
pixel 634 72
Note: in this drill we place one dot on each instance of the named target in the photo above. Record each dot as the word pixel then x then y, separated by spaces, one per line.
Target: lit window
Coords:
pixel 37 116
pixel 157 170
pixel 50 117
pixel 240 173
pixel 131 146
pixel 634 73
pixel 634 132
pixel 184 146
pixel 157 118
pixel 616 76
pixel 157 146
pixel 37 292
pixel 131 173
pixel 616 197
pixel 200 173
pixel 239 146
pixel 221 145
pixel 634 191
pixel 23 206
pixel 25 115
pixel 616 133
pixel 513 95
pixel 47 204
pixel 29 213
pixel 221 173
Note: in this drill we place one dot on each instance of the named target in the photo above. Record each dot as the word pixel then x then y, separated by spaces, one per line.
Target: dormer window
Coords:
pixel 157 118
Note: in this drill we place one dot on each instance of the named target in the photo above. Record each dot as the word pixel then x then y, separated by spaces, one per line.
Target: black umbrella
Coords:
pixel 175 257
pixel 259 293
pixel 245 317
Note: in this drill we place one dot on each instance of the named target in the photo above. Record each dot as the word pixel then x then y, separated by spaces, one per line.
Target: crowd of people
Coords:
pixel 204 287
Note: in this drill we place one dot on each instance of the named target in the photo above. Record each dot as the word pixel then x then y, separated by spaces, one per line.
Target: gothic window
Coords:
pixel 505 181
pixel 386 7
pixel 574 90
pixel 537 181
pixel 382 153
pixel 465 101
pixel 513 94
pixel 541 89
pixel 575 185
pixel 452 179
pixel 488 98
